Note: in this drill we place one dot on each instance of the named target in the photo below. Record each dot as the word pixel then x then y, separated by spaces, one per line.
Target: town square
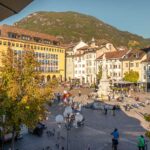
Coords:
pixel 74 75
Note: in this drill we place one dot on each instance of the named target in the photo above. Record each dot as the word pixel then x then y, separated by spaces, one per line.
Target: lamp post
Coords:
pixel 66 119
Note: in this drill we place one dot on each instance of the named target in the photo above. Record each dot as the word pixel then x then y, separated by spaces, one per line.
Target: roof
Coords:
pixel 134 55
pixel 6 28
pixel 147 60
pixel 69 46
pixel 146 49
pixel 11 7
pixel 113 55
pixel 83 48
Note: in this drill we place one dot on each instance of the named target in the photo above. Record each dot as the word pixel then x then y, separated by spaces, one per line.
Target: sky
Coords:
pixel 126 15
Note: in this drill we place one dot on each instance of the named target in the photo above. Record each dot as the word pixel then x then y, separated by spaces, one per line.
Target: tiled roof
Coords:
pixel 19 31
pixel 113 55
pixel 83 48
pixel 134 55
pixel 147 59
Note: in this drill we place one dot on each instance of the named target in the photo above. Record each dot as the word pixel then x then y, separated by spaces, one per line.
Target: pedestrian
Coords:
pixel 79 93
pixel 109 97
pixel 58 97
pixel 105 109
pixel 58 135
pixel 62 148
pixel 114 109
pixel 89 147
pixel 141 142
pixel 115 138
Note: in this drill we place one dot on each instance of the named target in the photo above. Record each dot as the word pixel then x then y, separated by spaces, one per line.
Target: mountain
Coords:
pixel 73 26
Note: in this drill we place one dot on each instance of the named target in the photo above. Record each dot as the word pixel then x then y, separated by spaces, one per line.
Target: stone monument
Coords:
pixel 104 85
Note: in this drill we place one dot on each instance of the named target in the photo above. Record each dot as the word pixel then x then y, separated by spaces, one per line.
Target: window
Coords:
pixel 144 76
pixel 17 45
pixel 9 43
pixel 131 64
pixel 137 55
pixel 137 64
pixel 110 66
pixel 12 35
pixel 0 42
pixel 4 43
pixel 13 44
pixel 144 67
pixel 21 45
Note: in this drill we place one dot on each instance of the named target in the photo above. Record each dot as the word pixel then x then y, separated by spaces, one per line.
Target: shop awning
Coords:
pixel 122 82
pixel 11 7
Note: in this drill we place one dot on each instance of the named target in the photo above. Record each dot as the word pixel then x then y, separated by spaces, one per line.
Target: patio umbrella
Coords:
pixel 11 7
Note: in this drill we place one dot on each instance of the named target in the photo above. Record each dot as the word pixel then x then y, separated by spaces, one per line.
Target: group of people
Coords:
pixel 113 109
pixel 141 142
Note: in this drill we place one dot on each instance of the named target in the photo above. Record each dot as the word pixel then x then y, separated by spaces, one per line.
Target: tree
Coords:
pixel 133 44
pixel 99 75
pixel 147 118
pixel 21 96
pixel 131 76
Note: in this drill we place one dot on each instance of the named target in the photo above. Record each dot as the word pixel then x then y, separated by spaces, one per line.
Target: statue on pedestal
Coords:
pixel 104 85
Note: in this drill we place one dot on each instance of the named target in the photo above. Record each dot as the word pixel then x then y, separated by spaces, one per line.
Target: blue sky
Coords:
pixel 126 15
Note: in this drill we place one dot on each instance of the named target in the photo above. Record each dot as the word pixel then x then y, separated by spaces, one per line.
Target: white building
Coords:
pixel 85 65
pixel 145 70
pixel 71 59
pixel 113 64
pixel 81 61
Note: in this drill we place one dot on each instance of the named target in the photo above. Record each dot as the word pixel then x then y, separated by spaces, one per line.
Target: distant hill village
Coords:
pixel 76 62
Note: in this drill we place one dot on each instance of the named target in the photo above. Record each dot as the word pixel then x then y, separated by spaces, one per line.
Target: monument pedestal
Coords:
pixel 104 89
pixel 104 85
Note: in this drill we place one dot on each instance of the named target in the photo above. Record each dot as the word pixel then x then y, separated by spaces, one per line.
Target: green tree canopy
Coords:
pixel 99 74
pixel 22 99
pixel 131 76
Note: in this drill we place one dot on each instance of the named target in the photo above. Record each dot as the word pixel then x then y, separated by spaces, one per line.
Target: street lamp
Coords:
pixel 66 118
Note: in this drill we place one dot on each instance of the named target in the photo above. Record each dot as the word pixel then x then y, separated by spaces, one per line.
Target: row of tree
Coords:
pixel 22 98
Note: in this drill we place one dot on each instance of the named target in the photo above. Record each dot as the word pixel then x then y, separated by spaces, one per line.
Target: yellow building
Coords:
pixel 133 61
pixel 47 49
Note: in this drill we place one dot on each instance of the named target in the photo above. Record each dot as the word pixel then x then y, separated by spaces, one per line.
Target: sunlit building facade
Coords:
pixel 47 50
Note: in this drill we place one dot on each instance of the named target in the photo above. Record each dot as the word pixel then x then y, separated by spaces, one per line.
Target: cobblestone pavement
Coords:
pixel 95 133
